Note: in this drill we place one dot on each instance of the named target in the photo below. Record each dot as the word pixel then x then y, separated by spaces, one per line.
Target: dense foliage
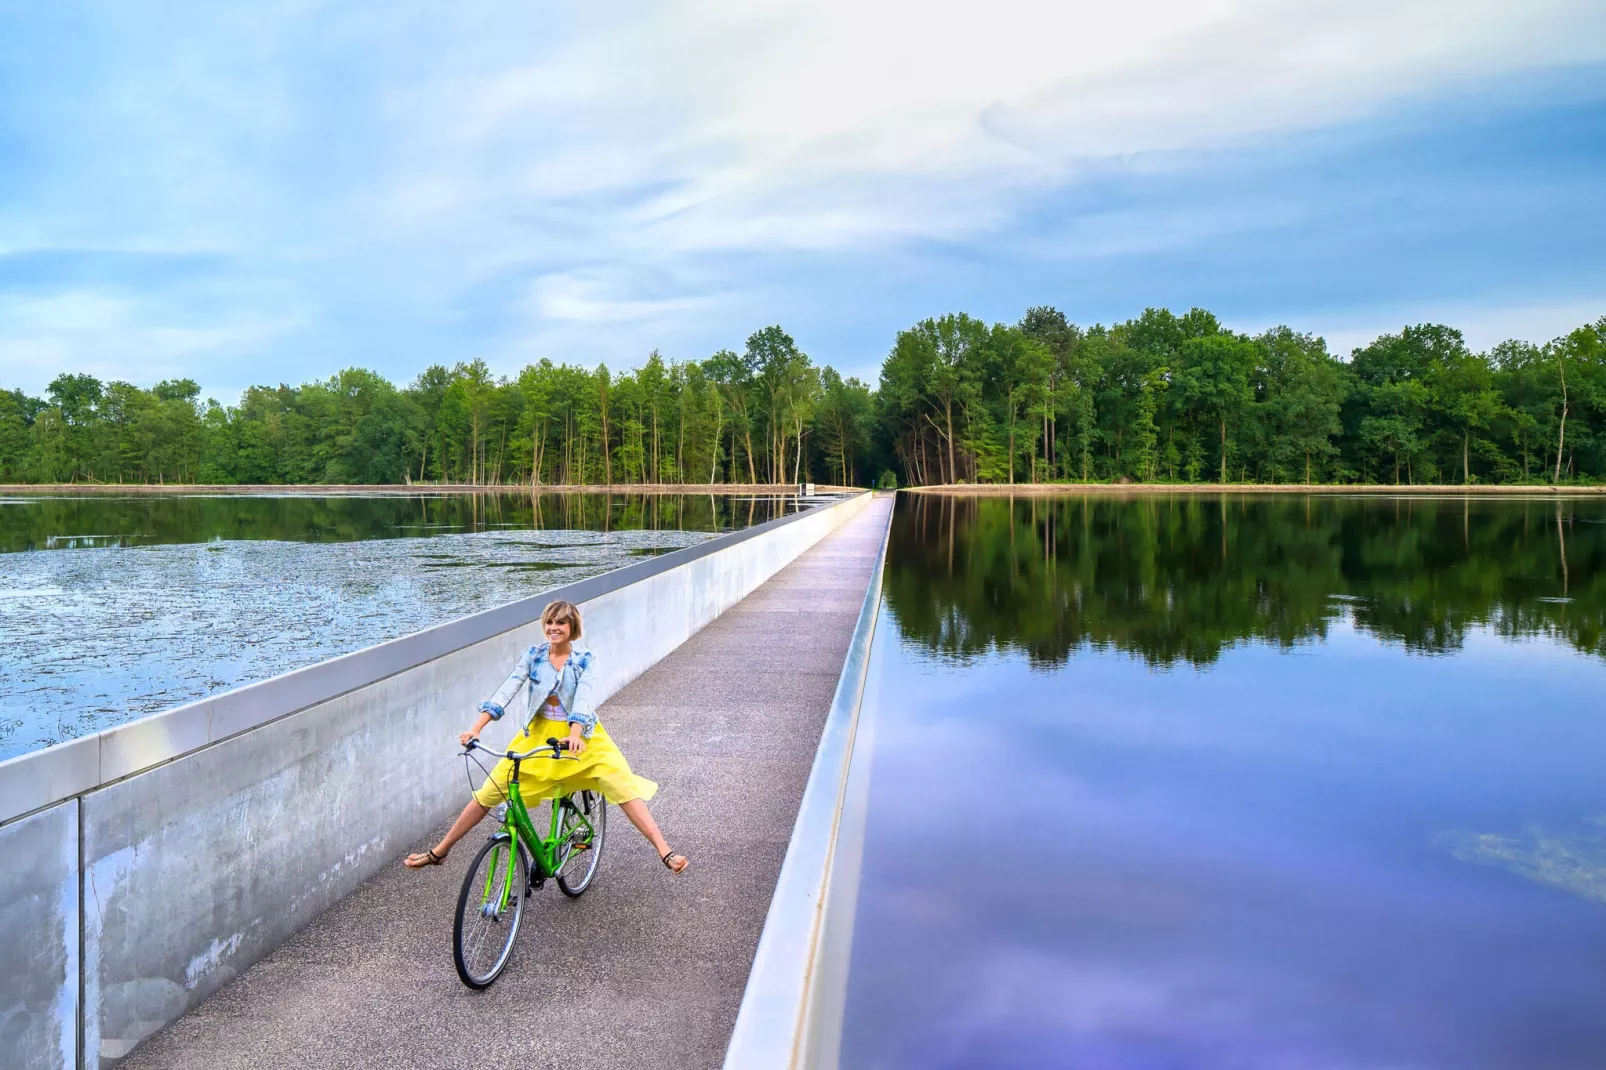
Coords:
pixel 1167 398
pixel 1161 398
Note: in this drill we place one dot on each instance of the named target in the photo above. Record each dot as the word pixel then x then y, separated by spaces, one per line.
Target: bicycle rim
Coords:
pixel 583 846
pixel 489 911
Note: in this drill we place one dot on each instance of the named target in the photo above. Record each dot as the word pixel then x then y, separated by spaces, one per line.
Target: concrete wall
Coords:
pixel 218 829
pixel 39 939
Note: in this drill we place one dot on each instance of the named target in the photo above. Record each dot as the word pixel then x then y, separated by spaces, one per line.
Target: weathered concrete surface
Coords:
pixel 39 940
pixel 646 970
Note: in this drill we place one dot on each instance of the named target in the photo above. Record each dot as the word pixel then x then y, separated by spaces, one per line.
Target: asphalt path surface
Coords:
pixel 646 969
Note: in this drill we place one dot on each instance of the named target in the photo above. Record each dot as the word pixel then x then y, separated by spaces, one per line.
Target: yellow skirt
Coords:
pixel 601 768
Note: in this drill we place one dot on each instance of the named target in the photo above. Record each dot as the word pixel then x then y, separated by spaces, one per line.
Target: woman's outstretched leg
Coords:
pixel 641 817
pixel 471 816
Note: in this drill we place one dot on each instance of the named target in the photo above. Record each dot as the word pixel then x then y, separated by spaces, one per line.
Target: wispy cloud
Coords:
pixel 420 182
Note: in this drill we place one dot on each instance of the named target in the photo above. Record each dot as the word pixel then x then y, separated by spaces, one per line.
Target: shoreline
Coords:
pixel 408 489
pixel 996 490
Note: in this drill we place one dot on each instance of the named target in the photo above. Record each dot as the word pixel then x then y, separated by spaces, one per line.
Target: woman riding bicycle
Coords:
pixel 559 677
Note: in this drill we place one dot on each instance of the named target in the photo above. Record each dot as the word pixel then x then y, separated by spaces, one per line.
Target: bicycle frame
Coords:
pixel 517 825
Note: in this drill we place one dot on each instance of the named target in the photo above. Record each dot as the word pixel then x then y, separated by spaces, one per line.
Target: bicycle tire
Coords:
pixel 468 934
pixel 574 880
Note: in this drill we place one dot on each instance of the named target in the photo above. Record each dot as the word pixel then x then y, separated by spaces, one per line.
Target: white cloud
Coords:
pixel 575 298
pixel 419 153
pixel 884 118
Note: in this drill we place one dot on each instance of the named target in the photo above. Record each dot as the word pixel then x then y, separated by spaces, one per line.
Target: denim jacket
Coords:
pixel 572 685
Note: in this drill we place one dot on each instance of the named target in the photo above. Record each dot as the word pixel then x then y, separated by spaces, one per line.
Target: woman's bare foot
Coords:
pixel 676 862
pixel 428 857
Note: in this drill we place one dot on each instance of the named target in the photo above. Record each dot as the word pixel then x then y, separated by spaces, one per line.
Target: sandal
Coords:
pixel 673 868
pixel 428 858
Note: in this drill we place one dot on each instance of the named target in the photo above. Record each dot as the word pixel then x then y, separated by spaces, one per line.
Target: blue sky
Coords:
pixel 270 192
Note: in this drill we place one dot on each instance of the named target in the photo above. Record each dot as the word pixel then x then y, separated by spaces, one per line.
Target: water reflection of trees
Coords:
pixel 152 519
pixel 1179 578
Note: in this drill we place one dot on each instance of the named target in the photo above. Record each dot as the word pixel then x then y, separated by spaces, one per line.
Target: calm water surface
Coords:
pixel 1189 784
pixel 116 607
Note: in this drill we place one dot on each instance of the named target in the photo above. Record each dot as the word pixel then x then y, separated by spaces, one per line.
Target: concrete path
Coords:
pixel 646 969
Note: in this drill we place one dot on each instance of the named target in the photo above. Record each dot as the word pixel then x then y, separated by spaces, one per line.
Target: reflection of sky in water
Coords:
pixel 1339 856
pixel 98 636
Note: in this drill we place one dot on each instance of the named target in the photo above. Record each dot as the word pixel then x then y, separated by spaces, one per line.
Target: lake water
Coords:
pixel 1238 783
pixel 114 607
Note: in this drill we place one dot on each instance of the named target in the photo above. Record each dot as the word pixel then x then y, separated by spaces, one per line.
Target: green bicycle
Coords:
pixel 515 862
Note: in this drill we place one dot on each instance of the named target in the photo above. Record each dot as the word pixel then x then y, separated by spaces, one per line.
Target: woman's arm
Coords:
pixel 474 733
pixel 493 708
pixel 583 711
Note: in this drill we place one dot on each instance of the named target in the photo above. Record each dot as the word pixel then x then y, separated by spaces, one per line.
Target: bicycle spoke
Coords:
pixel 489 909
pixel 582 829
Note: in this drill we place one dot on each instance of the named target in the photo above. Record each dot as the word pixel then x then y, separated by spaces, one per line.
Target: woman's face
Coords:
pixel 557 631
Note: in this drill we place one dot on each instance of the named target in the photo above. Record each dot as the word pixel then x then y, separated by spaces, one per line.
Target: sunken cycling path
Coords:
pixel 646 969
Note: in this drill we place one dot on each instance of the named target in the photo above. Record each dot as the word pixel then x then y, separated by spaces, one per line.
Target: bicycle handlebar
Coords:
pixel 552 744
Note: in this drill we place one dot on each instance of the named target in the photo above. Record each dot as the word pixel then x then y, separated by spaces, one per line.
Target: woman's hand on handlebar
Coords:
pixel 463 740
pixel 575 744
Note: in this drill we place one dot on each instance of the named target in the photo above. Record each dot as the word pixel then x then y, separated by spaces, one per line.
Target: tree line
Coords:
pixel 1169 398
pixel 1160 398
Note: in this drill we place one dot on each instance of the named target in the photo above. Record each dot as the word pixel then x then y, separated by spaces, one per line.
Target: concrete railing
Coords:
pixel 147 865
pixel 792 1009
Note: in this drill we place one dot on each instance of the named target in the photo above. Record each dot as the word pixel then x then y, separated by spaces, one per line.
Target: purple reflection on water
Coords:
pixel 1340 856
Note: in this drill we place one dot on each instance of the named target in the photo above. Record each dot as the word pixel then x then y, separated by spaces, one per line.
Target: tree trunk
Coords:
pixel 719 428
pixel 1224 449
pixel 948 414
pixel 607 453
pixel 1561 441
pixel 797 462
pixel 1012 444
pixel 1466 465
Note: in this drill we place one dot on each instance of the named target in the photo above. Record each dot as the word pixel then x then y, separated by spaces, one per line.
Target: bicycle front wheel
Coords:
pixel 489 910
pixel 584 825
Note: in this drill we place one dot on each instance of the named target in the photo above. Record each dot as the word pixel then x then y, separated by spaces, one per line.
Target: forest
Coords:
pixel 1163 398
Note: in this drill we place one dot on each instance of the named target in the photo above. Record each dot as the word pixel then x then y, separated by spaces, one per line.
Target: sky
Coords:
pixel 269 192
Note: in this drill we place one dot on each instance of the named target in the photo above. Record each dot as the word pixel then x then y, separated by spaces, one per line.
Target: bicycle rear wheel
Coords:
pixel 584 825
pixel 489 911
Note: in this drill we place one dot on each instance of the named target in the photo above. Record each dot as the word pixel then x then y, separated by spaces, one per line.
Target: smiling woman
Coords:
pixel 556 679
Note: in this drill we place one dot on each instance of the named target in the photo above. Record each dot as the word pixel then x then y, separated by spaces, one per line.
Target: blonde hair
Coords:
pixel 564 611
